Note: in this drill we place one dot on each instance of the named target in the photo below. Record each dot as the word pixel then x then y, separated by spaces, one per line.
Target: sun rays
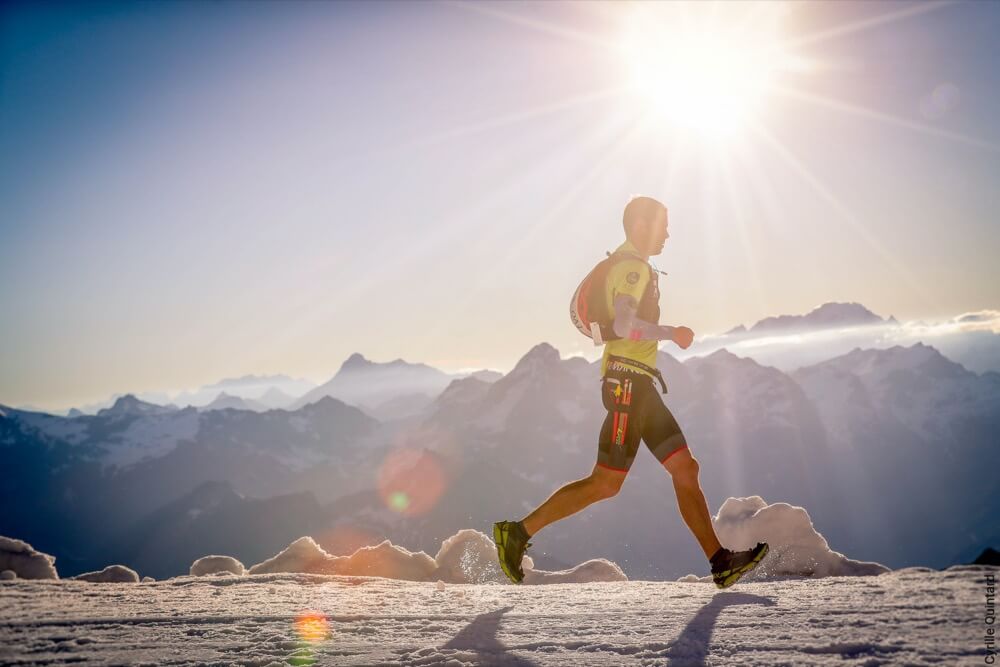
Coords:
pixel 714 89
pixel 709 79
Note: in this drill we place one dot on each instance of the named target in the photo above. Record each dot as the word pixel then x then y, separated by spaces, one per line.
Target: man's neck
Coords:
pixel 638 250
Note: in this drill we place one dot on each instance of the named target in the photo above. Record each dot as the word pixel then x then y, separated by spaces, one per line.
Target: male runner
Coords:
pixel 635 410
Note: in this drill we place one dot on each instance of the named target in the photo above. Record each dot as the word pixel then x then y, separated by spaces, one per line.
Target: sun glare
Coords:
pixel 704 66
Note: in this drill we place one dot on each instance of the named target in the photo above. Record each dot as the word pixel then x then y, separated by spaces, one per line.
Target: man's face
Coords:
pixel 658 233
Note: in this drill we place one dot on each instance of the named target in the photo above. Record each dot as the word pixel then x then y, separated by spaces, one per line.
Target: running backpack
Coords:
pixel 588 309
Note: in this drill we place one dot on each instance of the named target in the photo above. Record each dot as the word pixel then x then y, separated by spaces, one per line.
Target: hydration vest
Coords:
pixel 588 309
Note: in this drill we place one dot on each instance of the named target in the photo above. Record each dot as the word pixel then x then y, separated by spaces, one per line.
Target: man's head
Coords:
pixel 645 222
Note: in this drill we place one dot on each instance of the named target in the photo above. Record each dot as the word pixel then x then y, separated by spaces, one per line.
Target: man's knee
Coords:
pixel 683 468
pixel 606 483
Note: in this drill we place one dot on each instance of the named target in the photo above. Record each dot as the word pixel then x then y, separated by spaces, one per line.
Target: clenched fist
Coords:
pixel 683 337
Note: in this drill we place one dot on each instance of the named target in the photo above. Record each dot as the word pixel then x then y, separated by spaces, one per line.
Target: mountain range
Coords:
pixel 883 447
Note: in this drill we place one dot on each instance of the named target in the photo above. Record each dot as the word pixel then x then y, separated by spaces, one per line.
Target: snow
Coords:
pixel 67 430
pixel 797 549
pixel 912 616
pixel 216 565
pixel 152 437
pixel 21 558
pixel 468 557
pixel 112 574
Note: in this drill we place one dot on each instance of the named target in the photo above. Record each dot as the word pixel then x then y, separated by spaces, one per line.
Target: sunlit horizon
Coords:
pixel 261 200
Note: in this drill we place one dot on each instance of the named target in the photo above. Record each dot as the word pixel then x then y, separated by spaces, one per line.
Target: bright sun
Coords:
pixel 704 66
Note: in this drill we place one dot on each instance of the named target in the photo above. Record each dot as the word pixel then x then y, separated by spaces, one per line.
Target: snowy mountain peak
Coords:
pixel 130 405
pixel 880 363
pixel 827 315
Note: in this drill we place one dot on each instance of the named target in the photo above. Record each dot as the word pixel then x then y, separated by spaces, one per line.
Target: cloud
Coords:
pixel 971 339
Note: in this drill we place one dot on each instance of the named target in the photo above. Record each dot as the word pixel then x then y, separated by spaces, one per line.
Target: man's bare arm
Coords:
pixel 628 325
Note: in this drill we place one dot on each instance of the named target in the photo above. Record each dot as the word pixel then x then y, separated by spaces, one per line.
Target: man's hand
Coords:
pixel 683 337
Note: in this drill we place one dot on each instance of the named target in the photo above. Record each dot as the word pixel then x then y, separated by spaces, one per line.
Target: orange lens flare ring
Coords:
pixel 411 481
pixel 312 626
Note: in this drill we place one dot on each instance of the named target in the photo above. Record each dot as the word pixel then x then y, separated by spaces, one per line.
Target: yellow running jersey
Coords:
pixel 630 277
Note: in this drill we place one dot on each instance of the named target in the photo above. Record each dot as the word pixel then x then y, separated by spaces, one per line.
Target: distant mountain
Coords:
pixel 789 342
pixel 910 429
pixel 275 398
pixel 883 447
pixel 400 407
pixel 368 384
pixel 251 387
pixel 224 400
pixel 826 316
pixel 484 375
pixel 75 483
pixel 214 519
pixel 130 406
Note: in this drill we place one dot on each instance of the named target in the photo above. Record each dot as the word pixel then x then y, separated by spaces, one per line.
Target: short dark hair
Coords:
pixel 638 210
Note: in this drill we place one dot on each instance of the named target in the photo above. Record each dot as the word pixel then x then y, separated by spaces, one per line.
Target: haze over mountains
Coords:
pixel 791 341
pixel 883 447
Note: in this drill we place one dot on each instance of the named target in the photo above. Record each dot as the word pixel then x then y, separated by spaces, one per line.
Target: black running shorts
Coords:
pixel 635 410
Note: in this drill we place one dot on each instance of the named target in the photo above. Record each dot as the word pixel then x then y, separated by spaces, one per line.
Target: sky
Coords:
pixel 197 190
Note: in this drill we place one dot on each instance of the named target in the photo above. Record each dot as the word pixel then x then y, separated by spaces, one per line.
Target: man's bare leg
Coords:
pixel 683 469
pixel 573 497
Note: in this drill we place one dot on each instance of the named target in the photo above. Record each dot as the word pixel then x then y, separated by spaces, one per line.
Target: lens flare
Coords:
pixel 411 481
pixel 312 626
pixel 399 501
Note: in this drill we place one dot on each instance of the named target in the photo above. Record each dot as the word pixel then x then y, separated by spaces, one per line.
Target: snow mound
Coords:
pixel 112 574
pixel 382 560
pixel 215 565
pixel 596 569
pixel 467 557
pixel 22 559
pixel 797 549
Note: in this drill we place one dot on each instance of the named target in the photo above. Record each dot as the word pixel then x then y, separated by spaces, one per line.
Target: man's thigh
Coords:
pixel 660 430
pixel 622 428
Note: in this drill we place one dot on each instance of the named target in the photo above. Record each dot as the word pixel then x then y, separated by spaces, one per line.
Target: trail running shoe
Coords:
pixel 512 541
pixel 728 566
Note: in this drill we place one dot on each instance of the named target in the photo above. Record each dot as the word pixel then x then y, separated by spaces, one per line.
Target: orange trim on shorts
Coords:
pixel 603 465
pixel 673 452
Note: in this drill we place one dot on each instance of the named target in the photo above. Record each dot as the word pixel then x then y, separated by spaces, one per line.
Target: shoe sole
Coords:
pixel 500 555
pixel 736 575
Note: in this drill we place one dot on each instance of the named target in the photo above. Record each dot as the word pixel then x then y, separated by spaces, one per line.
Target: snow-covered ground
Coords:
pixel 911 616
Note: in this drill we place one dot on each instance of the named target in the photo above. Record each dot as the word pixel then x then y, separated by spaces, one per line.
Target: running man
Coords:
pixel 635 409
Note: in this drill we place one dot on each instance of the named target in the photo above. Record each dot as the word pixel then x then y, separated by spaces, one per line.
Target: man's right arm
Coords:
pixel 628 325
